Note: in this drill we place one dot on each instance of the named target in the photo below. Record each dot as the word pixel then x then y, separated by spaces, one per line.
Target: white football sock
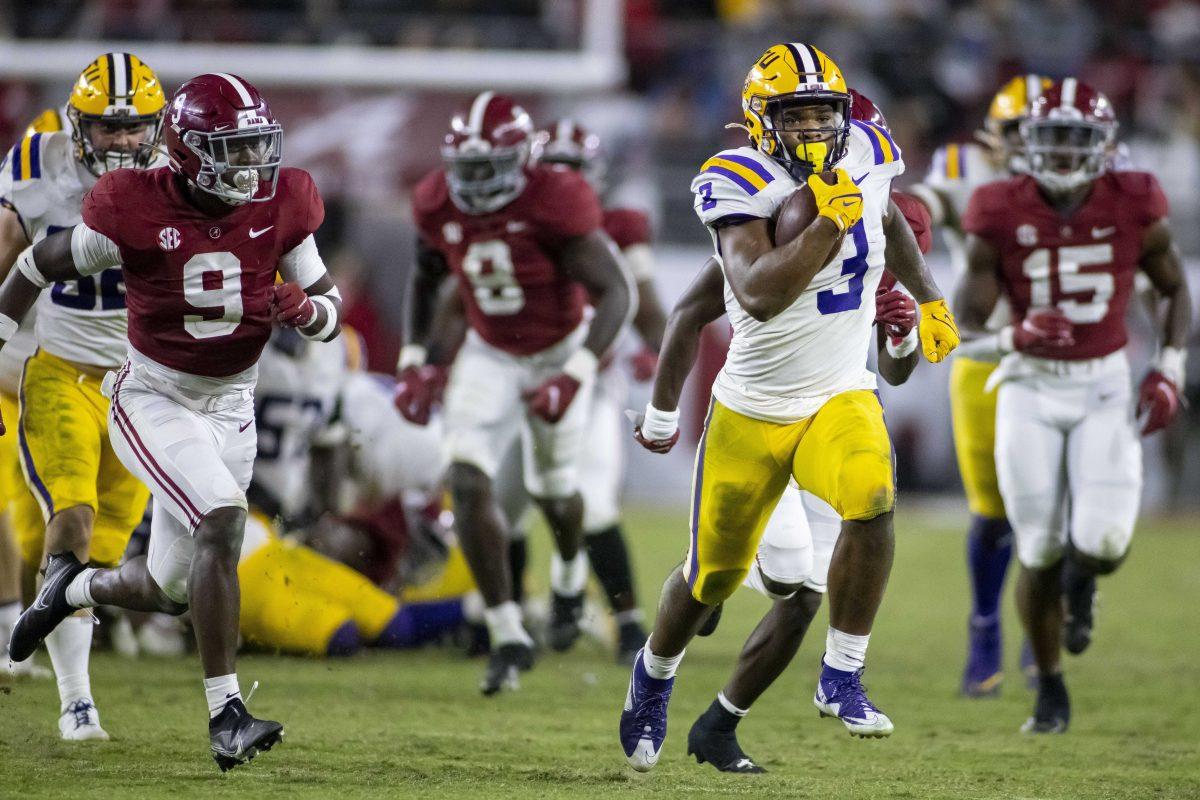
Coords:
pixel 845 651
pixel 79 590
pixel 568 578
pixel 730 707
pixel 504 625
pixel 219 691
pixel 661 667
pixel 70 648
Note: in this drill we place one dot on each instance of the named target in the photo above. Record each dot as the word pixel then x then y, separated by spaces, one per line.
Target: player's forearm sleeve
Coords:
pixel 92 251
pixel 303 264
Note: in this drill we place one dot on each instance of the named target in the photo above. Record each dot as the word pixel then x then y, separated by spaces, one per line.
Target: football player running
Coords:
pixel 568 145
pixel 200 243
pixel 1063 245
pixel 957 170
pixel 527 248
pixel 90 503
pixel 795 397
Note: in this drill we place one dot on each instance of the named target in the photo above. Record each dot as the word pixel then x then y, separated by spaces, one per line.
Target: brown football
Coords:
pixel 798 212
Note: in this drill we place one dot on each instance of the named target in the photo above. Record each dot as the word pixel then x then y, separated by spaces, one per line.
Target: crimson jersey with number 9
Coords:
pixel 198 287
pixel 517 298
pixel 1083 263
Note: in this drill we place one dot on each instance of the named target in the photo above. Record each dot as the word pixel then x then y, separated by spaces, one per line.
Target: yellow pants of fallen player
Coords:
pixel 25 516
pixel 68 460
pixel 294 599
pixel 973 414
pixel 842 454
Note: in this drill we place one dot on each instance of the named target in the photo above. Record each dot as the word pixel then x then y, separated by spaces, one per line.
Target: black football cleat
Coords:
pixel 49 608
pixel 714 619
pixel 565 613
pixel 236 737
pixel 1079 619
pixel 1052 712
pixel 504 666
pixel 719 748
pixel 631 637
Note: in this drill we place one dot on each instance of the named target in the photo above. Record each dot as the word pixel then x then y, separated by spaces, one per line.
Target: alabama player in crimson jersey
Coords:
pixel 526 246
pixel 1063 245
pixel 200 243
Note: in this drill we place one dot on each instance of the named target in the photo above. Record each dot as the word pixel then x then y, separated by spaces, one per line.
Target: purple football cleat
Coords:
pixel 841 694
pixel 644 720
pixel 984 670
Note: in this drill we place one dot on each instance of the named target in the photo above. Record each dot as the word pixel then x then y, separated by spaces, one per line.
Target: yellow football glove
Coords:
pixel 939 334
pixel 842 202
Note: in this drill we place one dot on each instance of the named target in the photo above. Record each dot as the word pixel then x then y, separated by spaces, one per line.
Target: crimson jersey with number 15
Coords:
pixel 1084 263
pixel 516 296
pixel 198 287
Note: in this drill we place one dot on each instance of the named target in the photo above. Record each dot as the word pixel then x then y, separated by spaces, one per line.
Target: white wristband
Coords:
pixel 1171 363
pixel 581 365
pixel 8 327
pixel 331 318
pixel 659 424
pixel 905 347
pixel 411 355
pixel 29 268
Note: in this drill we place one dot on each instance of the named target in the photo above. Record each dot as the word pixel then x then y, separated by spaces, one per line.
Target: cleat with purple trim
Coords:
pixel 1052 712
pixel 984 672
pixel 644 718
pixel 841 694
pixel 49 608
pixel 80 722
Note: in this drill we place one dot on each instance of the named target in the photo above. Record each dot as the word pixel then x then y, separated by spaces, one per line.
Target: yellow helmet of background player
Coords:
pixel 115 90
pixel 785 77
pixel 1009 107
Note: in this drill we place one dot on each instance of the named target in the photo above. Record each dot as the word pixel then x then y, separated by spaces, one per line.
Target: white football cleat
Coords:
pixel 80 722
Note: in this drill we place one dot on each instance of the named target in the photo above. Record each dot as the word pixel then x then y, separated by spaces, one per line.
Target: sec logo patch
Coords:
pixel 168 239
pixel 1027 235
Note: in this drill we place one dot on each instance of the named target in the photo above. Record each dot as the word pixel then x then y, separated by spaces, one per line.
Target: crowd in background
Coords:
pixel 931 65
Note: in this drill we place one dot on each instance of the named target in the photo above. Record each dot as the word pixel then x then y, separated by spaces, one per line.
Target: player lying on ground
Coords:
pixel 200 244
pixel 1063 245
pixel 526 246
pixel 794 398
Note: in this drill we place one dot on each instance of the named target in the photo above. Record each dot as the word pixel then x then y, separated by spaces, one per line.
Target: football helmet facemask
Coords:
pixel 115 109
pixel 1069 135
pixel 486 152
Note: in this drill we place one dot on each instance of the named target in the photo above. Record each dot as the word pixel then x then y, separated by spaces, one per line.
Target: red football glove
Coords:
pixel 644 364
pixel 659 446
pixel 896 312
pixel 551 400
pixel 417 390
pixel 1158 402
pixel 1043 329
pixel 291 307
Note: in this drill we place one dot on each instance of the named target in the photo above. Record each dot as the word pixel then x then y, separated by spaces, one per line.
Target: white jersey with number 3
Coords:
pixel 784 369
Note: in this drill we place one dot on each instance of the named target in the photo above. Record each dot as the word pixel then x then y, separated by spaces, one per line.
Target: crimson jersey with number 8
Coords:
pixel 1084 263
pixel 516 296
pixel 198 287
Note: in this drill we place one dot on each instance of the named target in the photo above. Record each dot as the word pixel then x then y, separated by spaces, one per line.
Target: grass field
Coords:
pixel 413 725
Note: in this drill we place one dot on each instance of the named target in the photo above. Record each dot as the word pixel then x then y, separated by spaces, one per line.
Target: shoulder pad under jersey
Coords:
pixel 872 148
pixel 32 168
pixel 739 183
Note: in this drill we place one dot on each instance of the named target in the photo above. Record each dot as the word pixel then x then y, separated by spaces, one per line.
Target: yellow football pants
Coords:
pixel 973 415
pixel 841 454
pixel 15 497
pixel 68 460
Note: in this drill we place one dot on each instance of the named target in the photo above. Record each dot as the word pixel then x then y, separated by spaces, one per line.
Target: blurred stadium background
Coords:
pixel 364 89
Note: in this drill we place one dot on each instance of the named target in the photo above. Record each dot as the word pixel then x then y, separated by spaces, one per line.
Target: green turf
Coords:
pixel 413 725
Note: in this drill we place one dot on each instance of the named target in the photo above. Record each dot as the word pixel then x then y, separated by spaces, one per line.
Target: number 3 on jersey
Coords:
pixel 213 281
pixel 847 296
pixel 489 267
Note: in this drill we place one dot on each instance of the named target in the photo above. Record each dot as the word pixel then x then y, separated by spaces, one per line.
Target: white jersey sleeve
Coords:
pixel 739 185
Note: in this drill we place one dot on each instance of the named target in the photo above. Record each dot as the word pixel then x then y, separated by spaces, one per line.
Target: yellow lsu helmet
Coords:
pixel 117 90
pixel 1001 128
pixel 790 75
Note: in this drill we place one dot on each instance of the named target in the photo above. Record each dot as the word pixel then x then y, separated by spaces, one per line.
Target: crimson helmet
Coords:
pixel 566 142
pixel 1069 135
pixel 485 153
pixel 220 135
pixel 863 110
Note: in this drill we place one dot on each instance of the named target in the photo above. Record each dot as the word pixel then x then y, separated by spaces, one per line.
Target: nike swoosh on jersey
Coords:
pixel 860 178
pixel 242 428
pixel 255 234
pixel 1102 233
